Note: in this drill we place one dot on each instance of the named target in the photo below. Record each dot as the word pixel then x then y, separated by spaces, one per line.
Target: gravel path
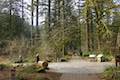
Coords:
pixel 79 69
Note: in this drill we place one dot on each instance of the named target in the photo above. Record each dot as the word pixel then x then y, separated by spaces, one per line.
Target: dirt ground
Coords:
pixel 81 77
pixel 80 70
pixel 5 75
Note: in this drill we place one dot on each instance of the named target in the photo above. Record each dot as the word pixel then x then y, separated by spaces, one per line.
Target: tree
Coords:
pixel 37 14
pixel 49 13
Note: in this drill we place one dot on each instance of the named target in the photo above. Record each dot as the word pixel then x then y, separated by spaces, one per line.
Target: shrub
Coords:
pixel 30 69
pixel 33 69
pixel 110 73
pixel 86 54
pixel 3 66
pixel 41 70
pixel 106 58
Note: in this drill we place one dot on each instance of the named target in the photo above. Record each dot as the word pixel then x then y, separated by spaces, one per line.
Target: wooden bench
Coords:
pixel 92 57
pixel 117 60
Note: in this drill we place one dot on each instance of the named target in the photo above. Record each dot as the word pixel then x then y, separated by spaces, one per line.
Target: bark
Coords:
pixel 32 21
pixel 10 8
pixel 32 13
pixel 37 14
pixel 89 30
pixel 49 13
pixel 22 9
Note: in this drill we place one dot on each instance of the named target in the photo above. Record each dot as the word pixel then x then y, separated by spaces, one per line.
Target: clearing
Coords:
pixel 79 69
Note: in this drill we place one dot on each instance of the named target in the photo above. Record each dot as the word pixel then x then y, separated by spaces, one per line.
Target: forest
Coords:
pixel 59 39
pixel 55 28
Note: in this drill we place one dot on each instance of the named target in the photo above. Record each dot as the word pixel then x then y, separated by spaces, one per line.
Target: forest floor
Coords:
pixel 6 75
pixel 75 69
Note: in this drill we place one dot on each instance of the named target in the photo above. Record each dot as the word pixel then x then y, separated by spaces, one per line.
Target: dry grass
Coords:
pixel 4 60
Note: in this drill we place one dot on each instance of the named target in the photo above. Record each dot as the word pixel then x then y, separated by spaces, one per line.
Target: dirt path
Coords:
pixel 79 69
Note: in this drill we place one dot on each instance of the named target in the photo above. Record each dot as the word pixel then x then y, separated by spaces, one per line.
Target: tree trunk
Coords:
pixel 49 14
pixel 37 14
pixel 10 8
pixel 22 9
pixel 89 30
pixel 32 21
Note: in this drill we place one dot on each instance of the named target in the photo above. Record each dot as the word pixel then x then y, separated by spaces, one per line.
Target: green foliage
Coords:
pixel 86 54
pixel 30 69
pixel 12 34
pixel 110 73
pixel 64 28
pixel 41 70
pixel 3 66
pixel 34 69
pixel 107 56
pixel 14 29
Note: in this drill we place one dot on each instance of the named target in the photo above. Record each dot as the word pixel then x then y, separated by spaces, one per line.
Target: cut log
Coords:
pixel 43 64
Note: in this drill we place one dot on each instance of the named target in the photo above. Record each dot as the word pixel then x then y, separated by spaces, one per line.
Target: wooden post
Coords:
pixel 117 60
